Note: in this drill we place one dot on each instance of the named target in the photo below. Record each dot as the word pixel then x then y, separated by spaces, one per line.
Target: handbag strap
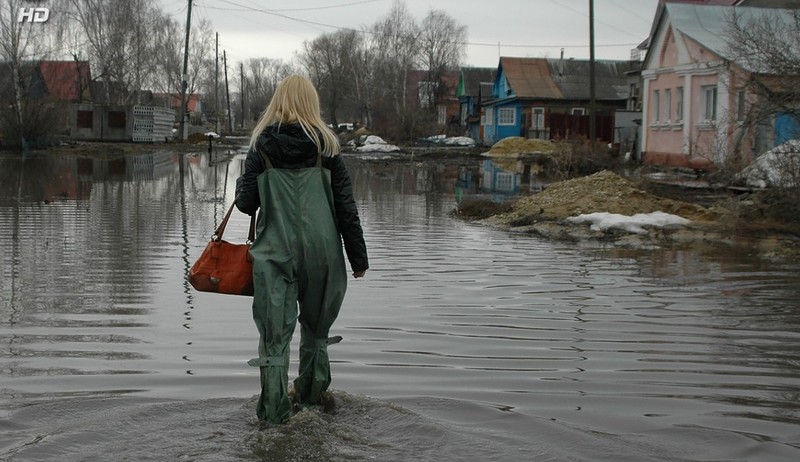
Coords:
pixel 251 235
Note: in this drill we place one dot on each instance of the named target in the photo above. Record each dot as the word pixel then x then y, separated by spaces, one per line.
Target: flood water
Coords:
pixel 462 343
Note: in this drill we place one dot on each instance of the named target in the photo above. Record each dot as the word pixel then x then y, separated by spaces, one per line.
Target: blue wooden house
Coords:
pixel 474 87
pixel 546 98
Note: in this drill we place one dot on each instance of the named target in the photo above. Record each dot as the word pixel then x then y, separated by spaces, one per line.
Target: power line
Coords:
pixel 316 8
pixel 562 5
pixel 315 23
pixel 629 11
pixel 180 10
pixel 261 10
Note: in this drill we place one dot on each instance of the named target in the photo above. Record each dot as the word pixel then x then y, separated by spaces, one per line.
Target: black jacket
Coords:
pixel 288 147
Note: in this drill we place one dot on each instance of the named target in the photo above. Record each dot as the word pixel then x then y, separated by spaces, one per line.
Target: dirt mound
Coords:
pixel 602 192
pixel 197 138
pixel 520 145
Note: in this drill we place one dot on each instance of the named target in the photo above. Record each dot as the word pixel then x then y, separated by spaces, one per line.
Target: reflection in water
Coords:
pixel 591 353
pixel 501 178
pixel 509 176
pixel 186 257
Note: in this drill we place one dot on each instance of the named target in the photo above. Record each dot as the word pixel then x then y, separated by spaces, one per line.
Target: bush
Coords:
pixel 574 158
pixel 478 209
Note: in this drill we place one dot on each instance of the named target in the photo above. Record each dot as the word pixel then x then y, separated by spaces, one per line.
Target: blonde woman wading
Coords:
pixel 296 179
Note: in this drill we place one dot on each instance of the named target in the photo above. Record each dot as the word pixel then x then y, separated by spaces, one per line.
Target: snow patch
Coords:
pixel 601 221
pixel 459 141
pixel 373 143
pixel 776 167
pixel 452 141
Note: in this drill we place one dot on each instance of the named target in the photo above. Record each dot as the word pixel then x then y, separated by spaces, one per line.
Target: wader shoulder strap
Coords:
pixel 265 159
pixel 319 160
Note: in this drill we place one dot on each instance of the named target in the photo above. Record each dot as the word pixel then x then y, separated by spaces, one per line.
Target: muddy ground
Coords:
pixel 718 217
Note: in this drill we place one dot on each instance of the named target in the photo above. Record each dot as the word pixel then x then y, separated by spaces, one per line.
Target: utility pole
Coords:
pixel 185 75
pixel 592 108
pixel 227 91
pixel 241 77
pixel 216 82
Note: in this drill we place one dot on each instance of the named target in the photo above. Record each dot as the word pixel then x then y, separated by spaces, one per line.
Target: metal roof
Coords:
pixel 572 77
pixel 530 78
pixel 707 24
pixel 473 77
pixel 546 78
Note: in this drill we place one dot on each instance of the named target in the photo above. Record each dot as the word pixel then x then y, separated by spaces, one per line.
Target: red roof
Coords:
pixel 191 102
pixel 64 80
pixel 530 77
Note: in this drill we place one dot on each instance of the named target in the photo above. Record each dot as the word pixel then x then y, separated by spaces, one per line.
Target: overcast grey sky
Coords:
pixel 526 28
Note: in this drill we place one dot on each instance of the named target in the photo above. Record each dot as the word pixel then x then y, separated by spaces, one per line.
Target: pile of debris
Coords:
pixel 602 192
pixel 517 145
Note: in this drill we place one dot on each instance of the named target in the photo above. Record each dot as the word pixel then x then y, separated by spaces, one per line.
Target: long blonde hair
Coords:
pixel 296 101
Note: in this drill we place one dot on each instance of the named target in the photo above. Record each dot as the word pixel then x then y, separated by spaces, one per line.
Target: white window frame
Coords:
pixel 708 94
pixel 507 116
pixel 504 181
pixel 679 104
pixel 578 111
pixel 668 105
pixel 656 106
pixel 426 92
pixel 537 118
pixel 441 112
pixel 489 116
pixel 741 105
pixel 634 97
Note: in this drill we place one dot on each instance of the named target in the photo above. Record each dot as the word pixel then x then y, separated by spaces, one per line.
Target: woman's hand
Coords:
pixel 359 274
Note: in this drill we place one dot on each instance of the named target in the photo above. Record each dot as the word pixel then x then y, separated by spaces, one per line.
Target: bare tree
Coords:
pixel 773 65
pixel 328 63
pixel 104 29
pixel 435 47
pixel 132 45
pixel 22 43
pixel 167 34
pixel 766 44
pixel 396 36
pixel 201 58
pixel 364 64
pixel 443 46
pixel 262 76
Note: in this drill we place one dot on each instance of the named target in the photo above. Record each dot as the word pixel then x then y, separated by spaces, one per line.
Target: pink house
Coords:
pixel 694 97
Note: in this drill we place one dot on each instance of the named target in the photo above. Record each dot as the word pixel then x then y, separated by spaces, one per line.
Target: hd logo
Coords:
pixel 33 14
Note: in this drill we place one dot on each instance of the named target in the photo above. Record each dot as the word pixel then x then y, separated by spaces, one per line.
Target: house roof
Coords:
pixel 572 77
pixel 753 3
pixel 64 80
pixel 546 78
pixel 472 78
pixel 707 24
pixel 530 78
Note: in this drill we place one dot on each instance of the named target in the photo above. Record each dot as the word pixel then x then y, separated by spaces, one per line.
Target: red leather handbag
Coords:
pixel 223 267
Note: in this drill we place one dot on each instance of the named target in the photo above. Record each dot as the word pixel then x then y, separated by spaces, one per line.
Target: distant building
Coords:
pixel 439 96
pixel 474 88
pixel 696 97
pixel 545 98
